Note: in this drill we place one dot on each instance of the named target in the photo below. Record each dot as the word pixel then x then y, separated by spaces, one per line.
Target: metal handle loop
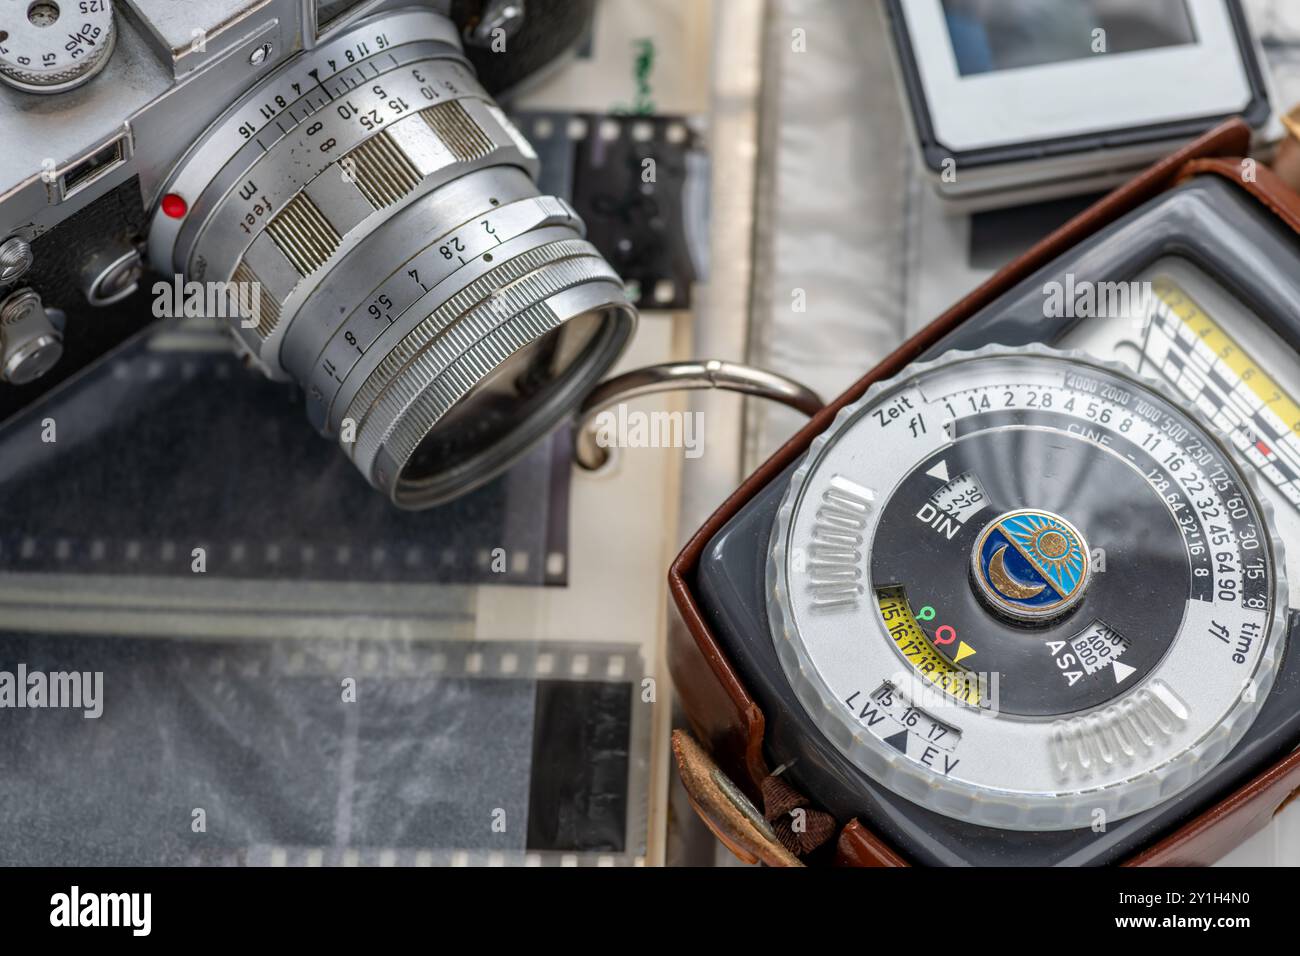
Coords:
pixel 673 376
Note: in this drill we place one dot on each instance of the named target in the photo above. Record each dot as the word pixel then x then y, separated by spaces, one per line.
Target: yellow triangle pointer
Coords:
pixel 964 651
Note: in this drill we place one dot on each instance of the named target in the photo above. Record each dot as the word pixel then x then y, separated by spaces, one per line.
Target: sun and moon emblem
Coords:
pixel 1031 564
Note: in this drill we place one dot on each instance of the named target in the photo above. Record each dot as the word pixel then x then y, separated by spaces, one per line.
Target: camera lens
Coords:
pixel 372 218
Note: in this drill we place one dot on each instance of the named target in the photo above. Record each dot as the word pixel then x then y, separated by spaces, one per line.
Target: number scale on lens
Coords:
pixel 1026 589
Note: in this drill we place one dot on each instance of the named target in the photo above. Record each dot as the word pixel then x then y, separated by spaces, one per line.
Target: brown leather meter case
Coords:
pixel 740 774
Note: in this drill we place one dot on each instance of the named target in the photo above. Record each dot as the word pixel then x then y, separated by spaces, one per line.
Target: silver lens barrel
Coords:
pixel 373 215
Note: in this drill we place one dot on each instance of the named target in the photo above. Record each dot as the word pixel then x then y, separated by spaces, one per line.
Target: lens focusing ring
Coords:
pixel 417 397
pixel 456 305
pixel 412 492
pixel 444 339
pixel 470 347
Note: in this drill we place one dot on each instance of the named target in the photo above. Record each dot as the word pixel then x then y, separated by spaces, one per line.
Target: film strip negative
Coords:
pixel 395 660
pixel 640 183
pixel 330 753
pixel 172 460
pixel 394 856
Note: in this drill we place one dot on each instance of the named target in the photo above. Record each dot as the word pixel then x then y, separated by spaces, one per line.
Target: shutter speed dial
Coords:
pixel 49 46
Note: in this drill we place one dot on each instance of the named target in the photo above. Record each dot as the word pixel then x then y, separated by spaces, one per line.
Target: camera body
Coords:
pixel 132 86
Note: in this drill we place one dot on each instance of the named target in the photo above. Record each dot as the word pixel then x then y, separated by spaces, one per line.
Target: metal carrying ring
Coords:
pixel 671 377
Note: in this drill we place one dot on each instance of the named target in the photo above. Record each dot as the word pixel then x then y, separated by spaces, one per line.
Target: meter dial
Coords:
pixel 1026 589
pixel 49 46
pixel 1184 327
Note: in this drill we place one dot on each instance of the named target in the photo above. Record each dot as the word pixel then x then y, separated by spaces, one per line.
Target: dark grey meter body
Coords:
pixel 1027 603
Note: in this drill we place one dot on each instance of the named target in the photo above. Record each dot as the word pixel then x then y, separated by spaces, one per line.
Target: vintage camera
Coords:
pixel 334 182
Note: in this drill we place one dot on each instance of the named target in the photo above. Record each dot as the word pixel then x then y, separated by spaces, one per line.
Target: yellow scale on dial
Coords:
pixel 921 653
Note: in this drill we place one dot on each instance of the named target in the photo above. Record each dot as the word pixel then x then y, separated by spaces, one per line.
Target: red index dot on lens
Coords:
pixel 174 206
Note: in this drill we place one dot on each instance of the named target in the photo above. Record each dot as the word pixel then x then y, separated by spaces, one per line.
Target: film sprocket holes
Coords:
pixel 371 210
pixel 1029 601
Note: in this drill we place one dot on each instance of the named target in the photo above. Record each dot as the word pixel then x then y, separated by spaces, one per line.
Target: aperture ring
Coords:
pixel 447 337
pixel 324 221
pixel 419 281
pixel 618 321
pixel 462 304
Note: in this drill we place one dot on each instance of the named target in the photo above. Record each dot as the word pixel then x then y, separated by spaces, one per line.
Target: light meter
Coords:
pixel 1028 601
